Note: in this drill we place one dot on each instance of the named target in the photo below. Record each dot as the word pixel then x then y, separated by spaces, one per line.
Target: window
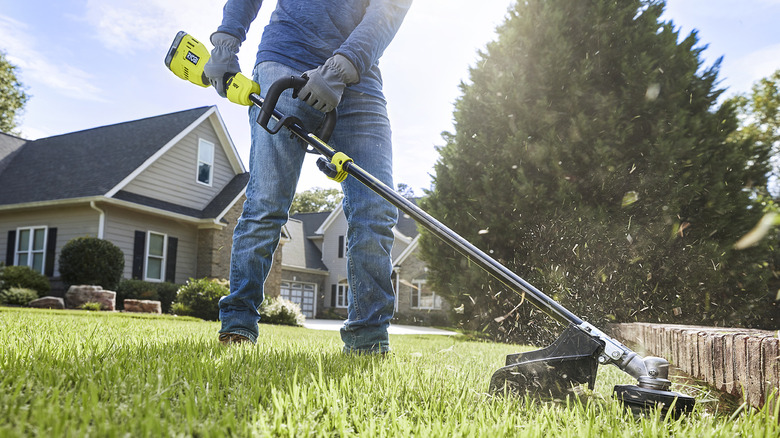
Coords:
pixel 31 248
pixel 341 295
pixel 155 256
pixel 423 298
pixel 205 162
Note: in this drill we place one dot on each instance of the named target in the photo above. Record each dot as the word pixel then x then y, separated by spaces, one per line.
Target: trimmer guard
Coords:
pixel 552 371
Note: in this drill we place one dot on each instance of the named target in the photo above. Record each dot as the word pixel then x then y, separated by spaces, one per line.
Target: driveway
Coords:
pixel 395 329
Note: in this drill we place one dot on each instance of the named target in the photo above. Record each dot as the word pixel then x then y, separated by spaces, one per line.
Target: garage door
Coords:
pixel 301 293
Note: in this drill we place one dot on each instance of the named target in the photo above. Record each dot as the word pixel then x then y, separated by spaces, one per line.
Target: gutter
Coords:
pixel 303 270
pixel 201 223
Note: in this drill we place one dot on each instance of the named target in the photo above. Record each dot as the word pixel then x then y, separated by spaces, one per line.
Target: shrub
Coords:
pixel 180 309
pixel 200 298
pixel 279 311
pixel 164 292
pixel 93 261
pixel 18 296
pixel 91 306
pixel 26 278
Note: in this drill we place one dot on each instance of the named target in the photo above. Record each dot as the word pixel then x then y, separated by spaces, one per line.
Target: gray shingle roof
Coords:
pixel 9 145
pixel 226 196
pixel 87 163
pixel 406 225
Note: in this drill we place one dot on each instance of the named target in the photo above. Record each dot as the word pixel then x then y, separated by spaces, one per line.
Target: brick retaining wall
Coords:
pixel 741 362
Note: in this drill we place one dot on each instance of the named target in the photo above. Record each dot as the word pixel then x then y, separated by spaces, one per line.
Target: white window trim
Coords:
pixel 29 250
pixel 147 256
pixel 342 291
pixel 417 289
pixel 201 143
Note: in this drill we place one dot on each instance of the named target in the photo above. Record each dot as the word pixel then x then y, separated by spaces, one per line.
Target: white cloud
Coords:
pixel 127 27
pixel 43 65
pixel 753 66
pixel 123 25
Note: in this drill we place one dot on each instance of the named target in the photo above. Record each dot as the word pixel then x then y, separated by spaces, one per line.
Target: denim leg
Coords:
pixel 363 133
pixel 274 165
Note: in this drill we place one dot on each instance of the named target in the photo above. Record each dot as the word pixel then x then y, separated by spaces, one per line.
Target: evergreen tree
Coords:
pixel 589 156
pixel 12 96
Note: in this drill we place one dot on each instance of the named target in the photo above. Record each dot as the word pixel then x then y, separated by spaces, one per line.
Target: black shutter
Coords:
pixel 139 249
pixel 51 250
pixel 332 295
pixel 341 247
pixel 10 249
pixel 170 261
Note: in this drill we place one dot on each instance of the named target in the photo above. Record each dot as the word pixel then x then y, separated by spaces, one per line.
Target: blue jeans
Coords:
pixel 363 133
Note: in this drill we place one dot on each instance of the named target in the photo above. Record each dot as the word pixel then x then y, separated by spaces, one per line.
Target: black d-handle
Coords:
pixel 268 109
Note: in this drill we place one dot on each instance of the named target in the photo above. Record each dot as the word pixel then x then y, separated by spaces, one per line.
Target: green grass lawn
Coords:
pixel 74 373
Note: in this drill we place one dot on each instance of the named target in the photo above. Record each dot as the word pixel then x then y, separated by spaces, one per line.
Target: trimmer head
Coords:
pixel 640 400
pixel 573 360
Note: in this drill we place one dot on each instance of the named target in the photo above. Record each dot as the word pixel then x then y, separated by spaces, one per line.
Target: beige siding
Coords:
pixel 294 251
pixel 121 225
pixel 172 177
pixel 71 222
pixel 337 267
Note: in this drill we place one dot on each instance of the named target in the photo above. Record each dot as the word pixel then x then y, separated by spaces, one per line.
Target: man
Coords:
pixel 337 45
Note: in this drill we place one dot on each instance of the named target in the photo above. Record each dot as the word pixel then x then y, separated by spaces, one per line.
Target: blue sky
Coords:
pixel 89 63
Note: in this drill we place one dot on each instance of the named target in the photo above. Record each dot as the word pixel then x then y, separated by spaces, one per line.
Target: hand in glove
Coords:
pixel 326 83
pixel 223 62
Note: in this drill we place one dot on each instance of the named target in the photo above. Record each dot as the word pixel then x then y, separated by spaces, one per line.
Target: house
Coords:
pixel 314 272
pixel 168 191
pixel 164 189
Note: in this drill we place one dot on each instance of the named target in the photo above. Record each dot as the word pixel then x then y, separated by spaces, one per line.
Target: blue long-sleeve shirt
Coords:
pixel 303 34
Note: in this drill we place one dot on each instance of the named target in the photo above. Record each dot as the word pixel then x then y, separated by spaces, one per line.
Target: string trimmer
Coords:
pixel 570 361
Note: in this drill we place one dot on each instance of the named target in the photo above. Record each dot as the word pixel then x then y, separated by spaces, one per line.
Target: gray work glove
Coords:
pixel 223 62
pixel 326 83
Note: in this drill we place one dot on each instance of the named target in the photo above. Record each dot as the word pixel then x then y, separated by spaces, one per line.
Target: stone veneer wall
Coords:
pixel 741 362
pixel 214 246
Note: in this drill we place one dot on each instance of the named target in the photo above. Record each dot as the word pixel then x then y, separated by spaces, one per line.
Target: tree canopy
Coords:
pixel 759 115
pixel 12 96
pixel 316 200
pixel 590 156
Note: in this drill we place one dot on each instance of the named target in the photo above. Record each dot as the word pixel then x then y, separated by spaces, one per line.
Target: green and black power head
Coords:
pixel 186 58
pixel 554 371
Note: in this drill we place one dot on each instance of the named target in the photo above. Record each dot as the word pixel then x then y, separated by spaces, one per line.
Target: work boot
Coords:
pixel 387 354
pixel 233 338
